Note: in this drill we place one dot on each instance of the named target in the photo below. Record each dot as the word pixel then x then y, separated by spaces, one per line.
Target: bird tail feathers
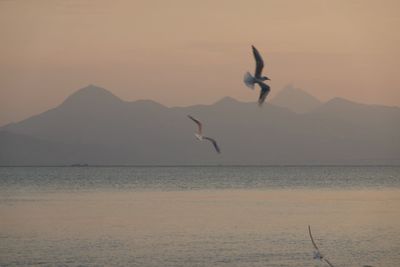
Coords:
pixel 249 80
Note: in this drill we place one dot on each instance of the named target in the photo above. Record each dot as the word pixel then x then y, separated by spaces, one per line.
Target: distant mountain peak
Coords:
pixel 92 90
pixel 91 94
pixel 227 100
pixel 339 104
pixel 295 99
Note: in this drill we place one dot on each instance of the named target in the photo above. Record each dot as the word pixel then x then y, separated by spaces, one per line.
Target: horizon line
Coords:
pixel 202 165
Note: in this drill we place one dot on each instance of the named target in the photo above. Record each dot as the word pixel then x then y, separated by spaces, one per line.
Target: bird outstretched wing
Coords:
pixel 263 93
pixel 312 239
pixel 214 143
pixel 199 125
pixel 317 249
pixel 259 62
pixel 328 262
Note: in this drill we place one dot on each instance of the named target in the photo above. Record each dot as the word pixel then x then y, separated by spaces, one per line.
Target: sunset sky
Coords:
pixel 190 52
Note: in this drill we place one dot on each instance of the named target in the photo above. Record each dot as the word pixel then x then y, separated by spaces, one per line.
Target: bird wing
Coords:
pixel 198 124
pixel 312 239
pixel 328 262
pixel 317 249
pixel 214 143
pixel 259 62
pixel 263 93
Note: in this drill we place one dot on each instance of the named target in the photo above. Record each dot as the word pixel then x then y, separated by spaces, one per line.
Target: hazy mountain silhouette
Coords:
pixel 295 99
pixel 94 126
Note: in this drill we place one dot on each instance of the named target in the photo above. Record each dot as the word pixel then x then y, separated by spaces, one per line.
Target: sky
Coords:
pixel 180 53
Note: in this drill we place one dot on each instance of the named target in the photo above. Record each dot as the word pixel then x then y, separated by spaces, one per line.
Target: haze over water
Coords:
pixel 198 216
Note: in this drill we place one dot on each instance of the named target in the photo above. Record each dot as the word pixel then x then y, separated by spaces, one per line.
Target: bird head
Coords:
pixel 265 78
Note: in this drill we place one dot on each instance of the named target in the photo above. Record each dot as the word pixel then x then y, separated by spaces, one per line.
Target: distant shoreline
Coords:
pixel 219 165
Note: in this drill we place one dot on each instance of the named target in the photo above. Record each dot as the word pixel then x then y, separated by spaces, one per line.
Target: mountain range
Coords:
pixel 93 126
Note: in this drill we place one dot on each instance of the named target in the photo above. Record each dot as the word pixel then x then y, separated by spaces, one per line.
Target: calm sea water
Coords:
pixel 199 216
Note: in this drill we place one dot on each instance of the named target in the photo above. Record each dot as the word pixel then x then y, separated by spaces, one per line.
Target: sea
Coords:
pixel 199 215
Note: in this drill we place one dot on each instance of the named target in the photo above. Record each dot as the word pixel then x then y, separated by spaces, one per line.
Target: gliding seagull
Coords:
pixel 317 253
pixel 249 80
pixel 200 136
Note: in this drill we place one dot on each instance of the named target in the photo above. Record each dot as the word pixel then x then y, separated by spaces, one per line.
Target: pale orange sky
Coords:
pixel 188 52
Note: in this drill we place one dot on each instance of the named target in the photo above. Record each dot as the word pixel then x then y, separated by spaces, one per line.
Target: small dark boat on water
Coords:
pixel 79 165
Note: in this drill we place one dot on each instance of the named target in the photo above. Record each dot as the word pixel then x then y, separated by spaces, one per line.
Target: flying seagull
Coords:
pixel 249 80
pixel 199 134
pixel 317 253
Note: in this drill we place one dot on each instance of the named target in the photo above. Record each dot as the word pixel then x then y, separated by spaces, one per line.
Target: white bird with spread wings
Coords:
pixel 199 134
